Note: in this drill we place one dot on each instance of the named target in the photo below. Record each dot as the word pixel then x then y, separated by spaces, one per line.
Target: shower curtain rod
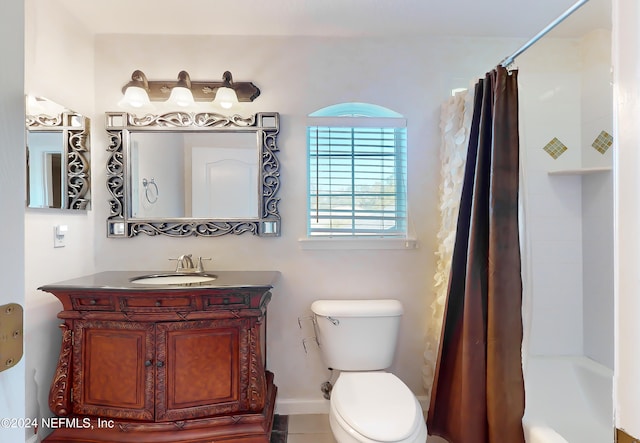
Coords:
pixel 509 60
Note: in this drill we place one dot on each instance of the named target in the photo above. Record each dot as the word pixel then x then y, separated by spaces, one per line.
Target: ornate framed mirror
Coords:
pixel 202 174
pixel 57 156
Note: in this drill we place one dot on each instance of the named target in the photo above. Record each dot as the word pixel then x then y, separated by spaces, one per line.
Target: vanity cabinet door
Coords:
pixel 113 371
pixel 201 370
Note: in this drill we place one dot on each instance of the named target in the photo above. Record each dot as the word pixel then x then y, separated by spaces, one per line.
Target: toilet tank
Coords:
pixel 357 335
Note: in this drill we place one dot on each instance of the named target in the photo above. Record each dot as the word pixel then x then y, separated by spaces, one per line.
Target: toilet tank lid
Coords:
pixel 357 308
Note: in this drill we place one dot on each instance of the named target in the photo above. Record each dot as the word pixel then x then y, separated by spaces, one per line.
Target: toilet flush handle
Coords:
pixel 334 321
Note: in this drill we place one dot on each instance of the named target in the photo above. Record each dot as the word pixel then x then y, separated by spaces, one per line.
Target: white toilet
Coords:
pixel 358 338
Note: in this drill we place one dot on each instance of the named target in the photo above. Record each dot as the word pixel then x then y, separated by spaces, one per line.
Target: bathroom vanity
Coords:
pixel 157 362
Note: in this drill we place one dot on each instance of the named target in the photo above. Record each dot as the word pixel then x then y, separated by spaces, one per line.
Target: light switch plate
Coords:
pixel 59 236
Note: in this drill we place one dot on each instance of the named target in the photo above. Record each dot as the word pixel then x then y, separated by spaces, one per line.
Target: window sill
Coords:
pixel 336 243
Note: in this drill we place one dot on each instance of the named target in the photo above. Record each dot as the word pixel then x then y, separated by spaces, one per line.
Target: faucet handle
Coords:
pixel 199 266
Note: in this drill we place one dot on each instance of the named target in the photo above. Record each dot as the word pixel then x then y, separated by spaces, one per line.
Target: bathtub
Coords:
pixel 568 400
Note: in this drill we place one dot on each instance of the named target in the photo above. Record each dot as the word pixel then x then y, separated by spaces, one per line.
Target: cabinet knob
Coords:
pixel 160 364
pixel 159 303
pixel 92 301
pixel 148 363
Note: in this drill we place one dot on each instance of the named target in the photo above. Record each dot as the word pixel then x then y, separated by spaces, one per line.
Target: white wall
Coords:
pixel 12 197
pixel 458 60
pixel 626 62
pixel 596 96
pixel 565 92
pixel 298 76
pixel 597 199
pixel 58 66
pixel 550 107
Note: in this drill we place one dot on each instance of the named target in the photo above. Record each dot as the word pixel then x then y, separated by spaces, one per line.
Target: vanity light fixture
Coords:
pixel 140 92
pixel 135 92
pixel 181 93
pixel 225 95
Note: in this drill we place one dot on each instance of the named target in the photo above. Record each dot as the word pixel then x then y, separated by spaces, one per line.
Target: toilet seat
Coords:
pixel 378 406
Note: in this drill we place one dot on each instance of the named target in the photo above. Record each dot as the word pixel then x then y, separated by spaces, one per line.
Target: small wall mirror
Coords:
pixel 57 156
pixel 203 174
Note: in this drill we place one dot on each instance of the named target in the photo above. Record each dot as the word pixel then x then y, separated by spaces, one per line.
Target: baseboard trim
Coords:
pixel 623 437
pixel 296 406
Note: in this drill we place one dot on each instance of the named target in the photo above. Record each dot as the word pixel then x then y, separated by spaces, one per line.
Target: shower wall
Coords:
pixel 566 105
pixel 597 199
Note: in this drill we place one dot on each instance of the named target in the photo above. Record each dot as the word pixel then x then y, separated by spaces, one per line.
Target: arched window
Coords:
pixel 357 171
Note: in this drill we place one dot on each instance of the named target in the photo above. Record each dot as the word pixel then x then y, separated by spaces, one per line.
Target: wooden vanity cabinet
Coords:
pixel 110 376
pixel 163 366
pixel 160 371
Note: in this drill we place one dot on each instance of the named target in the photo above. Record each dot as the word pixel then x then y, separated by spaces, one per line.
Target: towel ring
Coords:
pixel 150 190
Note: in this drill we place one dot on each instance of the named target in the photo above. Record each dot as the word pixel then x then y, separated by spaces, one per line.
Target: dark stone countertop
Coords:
pixel 122 281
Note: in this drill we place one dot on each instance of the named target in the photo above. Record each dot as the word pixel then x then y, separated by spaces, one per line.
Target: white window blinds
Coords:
pixel 357 176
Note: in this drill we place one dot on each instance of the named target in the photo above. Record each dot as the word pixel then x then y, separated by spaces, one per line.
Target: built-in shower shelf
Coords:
pixel 581 171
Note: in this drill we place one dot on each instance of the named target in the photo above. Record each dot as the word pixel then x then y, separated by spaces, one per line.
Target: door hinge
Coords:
pixel 11 335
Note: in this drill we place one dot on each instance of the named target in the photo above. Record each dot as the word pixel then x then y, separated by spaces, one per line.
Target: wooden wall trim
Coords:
pixel 623 437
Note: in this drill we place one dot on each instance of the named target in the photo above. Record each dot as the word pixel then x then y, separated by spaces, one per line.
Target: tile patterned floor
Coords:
pixel 311 428
pixel 314 428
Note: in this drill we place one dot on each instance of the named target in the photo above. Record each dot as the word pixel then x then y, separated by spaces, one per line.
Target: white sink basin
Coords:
pixel 174 279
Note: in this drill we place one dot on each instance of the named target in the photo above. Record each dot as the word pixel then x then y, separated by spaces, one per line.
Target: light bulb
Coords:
pixel 135 96
pixel 226 97
pixel 181 96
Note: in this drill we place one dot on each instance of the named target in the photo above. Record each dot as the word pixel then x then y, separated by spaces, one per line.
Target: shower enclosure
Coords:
pixel 566 142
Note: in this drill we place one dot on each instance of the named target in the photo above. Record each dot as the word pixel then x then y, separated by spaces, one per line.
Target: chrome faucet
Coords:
pixel 185 264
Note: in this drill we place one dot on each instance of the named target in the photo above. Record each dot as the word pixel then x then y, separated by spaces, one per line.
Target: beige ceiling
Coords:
pixel 491 18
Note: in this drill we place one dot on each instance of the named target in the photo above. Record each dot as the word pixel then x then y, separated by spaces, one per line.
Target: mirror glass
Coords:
pixel 57 156
pixel 182 174
pixel 203 175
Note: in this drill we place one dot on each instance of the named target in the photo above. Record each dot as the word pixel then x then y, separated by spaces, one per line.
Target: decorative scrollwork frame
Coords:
pixel 75 134
pixel 120 224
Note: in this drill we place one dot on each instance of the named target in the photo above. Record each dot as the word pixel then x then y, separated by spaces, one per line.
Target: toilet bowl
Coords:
pixel 375 407
pixel 358 338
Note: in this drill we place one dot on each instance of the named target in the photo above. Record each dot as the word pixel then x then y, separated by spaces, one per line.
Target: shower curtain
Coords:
pixel 455 123
pixel 478 390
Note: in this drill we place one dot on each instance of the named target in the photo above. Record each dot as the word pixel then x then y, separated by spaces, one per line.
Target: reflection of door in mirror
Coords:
pixel 46 176
pixel 224 182
pixel 200 175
